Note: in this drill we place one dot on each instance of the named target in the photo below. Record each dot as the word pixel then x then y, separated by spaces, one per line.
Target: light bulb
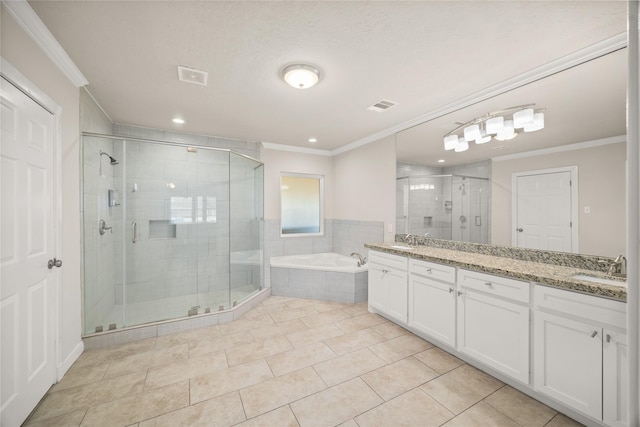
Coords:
pixel 522 118
pixel 450 142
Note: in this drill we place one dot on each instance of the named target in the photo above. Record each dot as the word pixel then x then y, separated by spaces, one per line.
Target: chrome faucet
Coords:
pixel 619 266
pixel 427 234
pixel 362 260
pixel 411 239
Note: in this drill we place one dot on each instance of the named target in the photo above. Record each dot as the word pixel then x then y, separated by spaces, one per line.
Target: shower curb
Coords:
pixel 157 329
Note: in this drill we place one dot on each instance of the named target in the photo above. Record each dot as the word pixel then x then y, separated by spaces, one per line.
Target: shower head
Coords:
pixel 112 161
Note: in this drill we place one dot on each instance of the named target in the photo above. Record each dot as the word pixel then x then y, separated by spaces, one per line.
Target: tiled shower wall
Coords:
pixel 341 236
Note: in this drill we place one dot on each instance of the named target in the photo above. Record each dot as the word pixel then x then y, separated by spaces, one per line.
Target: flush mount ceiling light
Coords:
pixel 178 121
pixel 313 140
pixel 301 76
pixel 497 125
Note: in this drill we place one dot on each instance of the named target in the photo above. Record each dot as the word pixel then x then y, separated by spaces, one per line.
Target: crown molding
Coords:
pixel 581 56
pixel 31 23
pixel 296 149
pixel 561 148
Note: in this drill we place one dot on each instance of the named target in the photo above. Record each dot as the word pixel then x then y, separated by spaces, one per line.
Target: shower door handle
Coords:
pixel 134 232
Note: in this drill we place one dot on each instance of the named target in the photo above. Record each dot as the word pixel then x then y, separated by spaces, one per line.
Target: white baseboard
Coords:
pixel 68 361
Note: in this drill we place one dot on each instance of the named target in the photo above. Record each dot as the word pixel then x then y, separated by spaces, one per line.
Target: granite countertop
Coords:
pixel 544 273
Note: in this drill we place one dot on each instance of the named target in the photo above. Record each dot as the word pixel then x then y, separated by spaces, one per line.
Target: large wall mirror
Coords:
pixel 301 198
pixel 469 195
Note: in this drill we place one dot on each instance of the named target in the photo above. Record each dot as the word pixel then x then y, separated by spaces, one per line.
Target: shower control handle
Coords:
pixel 134 232
pixel 102 227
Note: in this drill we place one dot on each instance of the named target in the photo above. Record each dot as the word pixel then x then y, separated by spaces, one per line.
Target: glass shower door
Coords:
pixel 246 232
pixel 160 243
pixel 102 170
pixel 211 199
pixel 169 231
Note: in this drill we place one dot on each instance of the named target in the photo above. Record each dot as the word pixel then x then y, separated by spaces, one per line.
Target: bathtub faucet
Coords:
pixel 362 260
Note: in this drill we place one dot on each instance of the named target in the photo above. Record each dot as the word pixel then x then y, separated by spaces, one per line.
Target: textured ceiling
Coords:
pixel 421 54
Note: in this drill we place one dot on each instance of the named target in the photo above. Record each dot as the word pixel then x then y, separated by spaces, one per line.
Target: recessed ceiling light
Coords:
pixel 178 121
pixel 441 161
pixel 313 140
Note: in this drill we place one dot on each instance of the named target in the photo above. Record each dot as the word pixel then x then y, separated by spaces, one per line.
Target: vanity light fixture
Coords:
pixel 301 76
pixel 497 125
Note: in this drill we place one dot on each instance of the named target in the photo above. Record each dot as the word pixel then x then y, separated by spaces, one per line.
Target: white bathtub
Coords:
pixel 327 261
pixel 326 276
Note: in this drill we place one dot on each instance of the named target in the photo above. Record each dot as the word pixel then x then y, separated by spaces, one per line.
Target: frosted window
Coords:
pixel 301 210
pixel 206 209
pixel 183 210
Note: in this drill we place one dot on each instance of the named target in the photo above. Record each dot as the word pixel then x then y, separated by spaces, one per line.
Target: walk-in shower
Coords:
pixel 452 207
pixel 169 230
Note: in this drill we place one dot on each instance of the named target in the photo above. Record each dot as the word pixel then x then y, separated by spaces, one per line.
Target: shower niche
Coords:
pixel 185 236
pixel 450 207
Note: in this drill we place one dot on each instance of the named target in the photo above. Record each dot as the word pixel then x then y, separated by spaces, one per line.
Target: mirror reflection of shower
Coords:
pixel 112 161
pixel 463 218
pixel 448 206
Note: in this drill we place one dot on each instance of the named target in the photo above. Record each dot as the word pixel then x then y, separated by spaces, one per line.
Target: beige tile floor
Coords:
pixel 287 362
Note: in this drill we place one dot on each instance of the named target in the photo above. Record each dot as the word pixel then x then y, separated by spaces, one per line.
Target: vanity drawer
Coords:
pixel 432 270
pixel 588 307
pixel 516 290
pixel 389 260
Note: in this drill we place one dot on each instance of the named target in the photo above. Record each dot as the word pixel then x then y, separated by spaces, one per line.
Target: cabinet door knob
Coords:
pixel 608 338
pixel 384 271
pixel 450 290
pixel 429 270
pixel 460 293
pixel 593 334
pixel 488 284
pixel 519 230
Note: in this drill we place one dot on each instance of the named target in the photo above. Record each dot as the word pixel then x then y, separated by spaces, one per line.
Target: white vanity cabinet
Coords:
pixel 580 352
pixel 432 300
pixel 388 293
pixel 568 362
pixel 566 345
pixel 493 322
pixel 614 378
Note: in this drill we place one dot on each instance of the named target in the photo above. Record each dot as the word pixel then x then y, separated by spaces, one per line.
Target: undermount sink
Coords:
pixel 601 280
pixel 402 247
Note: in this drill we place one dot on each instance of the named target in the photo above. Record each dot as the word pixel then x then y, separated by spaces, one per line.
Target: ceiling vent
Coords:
pixel 191 75
pixel 382 105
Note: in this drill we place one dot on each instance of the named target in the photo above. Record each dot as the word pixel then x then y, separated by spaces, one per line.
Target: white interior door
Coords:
pixel 544 217
pixel 26 227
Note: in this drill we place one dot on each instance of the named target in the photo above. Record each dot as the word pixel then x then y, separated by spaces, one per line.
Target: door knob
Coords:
pixel 519 230
pixel 54 263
